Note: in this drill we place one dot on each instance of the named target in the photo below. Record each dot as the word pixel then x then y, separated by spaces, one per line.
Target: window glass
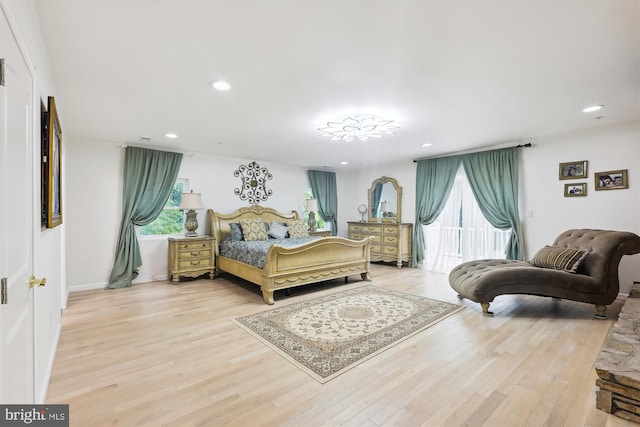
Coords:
pixel 171 219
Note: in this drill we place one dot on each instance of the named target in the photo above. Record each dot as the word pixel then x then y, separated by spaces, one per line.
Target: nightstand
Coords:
pixel 191 257
pixel 321 233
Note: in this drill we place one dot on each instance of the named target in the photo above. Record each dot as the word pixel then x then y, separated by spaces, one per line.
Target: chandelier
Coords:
pixel 358 126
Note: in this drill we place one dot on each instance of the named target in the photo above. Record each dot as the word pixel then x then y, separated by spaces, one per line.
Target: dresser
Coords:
pixel 191 257
pixel 390 242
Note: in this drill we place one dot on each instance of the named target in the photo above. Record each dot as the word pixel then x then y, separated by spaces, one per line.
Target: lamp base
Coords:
pixel 312 222
pixel 191 224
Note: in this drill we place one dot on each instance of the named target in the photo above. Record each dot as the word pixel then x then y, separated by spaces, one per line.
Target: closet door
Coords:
pixel 16 223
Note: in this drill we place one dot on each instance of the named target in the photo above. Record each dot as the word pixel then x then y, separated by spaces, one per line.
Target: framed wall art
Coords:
pixel 575 190
pixel 573 170
pixel 52 166
pixel 611 180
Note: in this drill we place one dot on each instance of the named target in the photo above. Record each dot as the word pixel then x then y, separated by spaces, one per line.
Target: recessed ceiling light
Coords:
pixel 426 144
pixel 344 163
pixel 221 85
pixel 171 135
pixel 592 108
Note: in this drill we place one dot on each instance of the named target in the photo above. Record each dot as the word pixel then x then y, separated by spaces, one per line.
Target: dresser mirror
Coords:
pixel 385 200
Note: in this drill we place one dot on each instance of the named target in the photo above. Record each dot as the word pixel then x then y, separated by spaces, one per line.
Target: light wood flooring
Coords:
pixel 158 354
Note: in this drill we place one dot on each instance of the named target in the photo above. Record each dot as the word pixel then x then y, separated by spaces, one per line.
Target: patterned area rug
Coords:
pixel 328 335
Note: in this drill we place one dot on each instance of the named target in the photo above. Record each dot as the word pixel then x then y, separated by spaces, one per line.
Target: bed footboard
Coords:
pixel 323 259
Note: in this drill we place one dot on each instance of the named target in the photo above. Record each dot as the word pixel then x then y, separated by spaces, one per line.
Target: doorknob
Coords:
pixel 33 281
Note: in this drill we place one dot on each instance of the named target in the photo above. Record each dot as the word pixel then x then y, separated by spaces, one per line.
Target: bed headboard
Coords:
pixel 220 222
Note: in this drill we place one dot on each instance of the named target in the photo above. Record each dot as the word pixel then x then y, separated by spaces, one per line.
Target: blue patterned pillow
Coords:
pixel 236 231
pixel 277 231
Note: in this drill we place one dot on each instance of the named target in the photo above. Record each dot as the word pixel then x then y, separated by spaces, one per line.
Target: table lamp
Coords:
pixel 190 202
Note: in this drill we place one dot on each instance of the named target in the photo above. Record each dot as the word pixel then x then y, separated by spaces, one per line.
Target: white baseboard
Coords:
pixel 103 285
pixel 46 378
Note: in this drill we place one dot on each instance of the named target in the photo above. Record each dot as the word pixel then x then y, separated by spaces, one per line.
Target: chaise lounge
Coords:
pixel 582 265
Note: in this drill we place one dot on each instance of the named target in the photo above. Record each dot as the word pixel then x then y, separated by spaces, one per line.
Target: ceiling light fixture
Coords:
pixel 221 85
pixel 426 144
pixel 358 126
pixel 592 108
pixel 171 135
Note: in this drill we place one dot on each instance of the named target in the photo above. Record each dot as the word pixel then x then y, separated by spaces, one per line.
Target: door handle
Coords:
pixel 33 281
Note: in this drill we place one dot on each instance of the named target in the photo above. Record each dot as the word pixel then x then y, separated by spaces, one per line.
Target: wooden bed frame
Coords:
pixel 323 259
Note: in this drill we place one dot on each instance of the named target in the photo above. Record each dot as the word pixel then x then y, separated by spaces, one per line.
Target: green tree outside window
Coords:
pixel 171 219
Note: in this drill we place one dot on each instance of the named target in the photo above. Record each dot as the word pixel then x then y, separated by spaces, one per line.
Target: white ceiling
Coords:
pixel 457 74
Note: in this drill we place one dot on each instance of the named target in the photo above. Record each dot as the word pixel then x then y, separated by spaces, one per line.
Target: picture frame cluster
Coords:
pixel 607 180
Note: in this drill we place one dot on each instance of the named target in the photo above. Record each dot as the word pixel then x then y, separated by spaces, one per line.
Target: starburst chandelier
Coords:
pixel 358 126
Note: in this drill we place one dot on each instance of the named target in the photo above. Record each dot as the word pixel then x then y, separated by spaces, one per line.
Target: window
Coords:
pixel 461 233
pixel 171 219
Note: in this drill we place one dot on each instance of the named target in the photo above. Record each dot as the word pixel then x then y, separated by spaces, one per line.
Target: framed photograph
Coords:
pixel 573 170
pixel 52 166
pixel 575 190
pixel 611 180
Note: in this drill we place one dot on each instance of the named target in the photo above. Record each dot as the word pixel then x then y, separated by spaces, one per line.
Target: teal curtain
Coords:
pixel 493 177
pixel 149 176
pixel 376 194
pixel 434 180
pixel 325 190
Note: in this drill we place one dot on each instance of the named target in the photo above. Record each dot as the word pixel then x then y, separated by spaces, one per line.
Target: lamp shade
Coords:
pixel 312 205
pixel 384 206
pixel 191 201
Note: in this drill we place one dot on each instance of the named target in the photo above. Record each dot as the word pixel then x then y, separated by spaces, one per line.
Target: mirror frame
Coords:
pixel 383 180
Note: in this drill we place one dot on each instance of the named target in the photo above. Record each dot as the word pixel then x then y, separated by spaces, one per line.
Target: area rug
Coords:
pixel 328 335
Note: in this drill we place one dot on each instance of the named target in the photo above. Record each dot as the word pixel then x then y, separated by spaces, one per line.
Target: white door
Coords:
pixel 16 224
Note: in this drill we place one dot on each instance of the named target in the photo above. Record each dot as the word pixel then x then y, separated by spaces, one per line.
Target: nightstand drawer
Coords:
pixel 195 263
pixel 194 246
pixel 203 253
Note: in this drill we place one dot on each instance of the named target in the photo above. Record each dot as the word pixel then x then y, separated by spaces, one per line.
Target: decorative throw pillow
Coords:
pixel 565 259
pixel 277 231
pixel 297 228
pixel 236 231
pixel 253 229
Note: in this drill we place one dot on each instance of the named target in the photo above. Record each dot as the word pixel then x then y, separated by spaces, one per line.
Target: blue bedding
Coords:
pixel 254 252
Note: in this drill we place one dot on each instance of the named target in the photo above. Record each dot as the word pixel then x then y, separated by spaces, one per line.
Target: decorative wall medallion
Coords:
pixel 253 186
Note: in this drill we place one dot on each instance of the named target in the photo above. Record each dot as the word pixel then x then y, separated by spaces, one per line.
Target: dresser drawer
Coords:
pixel 365 228
pixel 387 229
pixel 390 250
pixel 391 240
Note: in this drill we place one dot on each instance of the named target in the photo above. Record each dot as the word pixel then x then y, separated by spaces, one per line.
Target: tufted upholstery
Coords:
pixel 596 281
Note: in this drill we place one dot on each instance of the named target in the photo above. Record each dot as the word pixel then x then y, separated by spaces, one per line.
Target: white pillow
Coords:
pixel 277 230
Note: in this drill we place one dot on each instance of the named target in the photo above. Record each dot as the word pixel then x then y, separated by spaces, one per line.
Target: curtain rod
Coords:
pixel 527 145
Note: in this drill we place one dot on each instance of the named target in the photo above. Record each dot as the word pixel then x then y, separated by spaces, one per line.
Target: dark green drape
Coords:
pixel 493 177
pixel 376 194
pixel 149 176
pixel 434 180
pixel 325 190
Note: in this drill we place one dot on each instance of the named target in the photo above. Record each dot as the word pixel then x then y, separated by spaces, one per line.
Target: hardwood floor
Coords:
pixel 159 354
